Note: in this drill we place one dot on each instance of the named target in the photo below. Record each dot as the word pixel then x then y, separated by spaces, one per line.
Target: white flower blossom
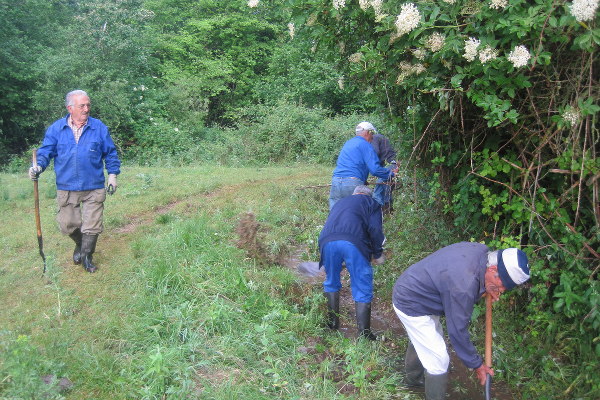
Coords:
pixel 499 4
pixel 435 42
pixel 450 1
pixel 364 4
pixel 408 19
pixel 584 10
pixel 176 129
pixel 252 3
pixel 519 57
pixel 342 46
pixel 487 54
pixel 471 46
pixel 376 4
pixel 407 69
pixel 571 115
pixel 292 29
pixel 337 4
pixel 419 54
pixel 340 82
pixel 355 58
pixel 312 19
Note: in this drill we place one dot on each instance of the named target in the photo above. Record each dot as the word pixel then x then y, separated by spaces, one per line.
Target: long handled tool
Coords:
pixel 488 345
pixel 38 223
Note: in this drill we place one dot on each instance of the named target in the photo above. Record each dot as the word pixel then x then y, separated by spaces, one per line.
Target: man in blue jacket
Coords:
pixel 356 160
pixel 81 147
pixel 353 233
pixel 449 282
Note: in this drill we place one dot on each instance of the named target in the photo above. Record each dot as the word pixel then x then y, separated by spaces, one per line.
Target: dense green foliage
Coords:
pixel 513 136
pixel 510 132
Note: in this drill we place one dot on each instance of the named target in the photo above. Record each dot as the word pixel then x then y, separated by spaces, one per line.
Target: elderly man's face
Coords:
pixel 493 284
pixel 80 110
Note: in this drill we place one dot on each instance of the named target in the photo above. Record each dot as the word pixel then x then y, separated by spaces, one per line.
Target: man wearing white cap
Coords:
pixel 449 282
pixel 356 160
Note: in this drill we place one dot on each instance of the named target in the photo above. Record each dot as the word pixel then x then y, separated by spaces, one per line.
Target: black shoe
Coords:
pixel 76 236
pixel 333 309
pixel 88 246
pixel 363 320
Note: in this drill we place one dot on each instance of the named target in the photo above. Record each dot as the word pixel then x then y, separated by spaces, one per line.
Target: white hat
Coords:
pixel 513 267
pixel 365 126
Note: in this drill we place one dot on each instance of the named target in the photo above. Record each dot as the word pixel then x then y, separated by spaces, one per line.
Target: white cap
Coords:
pixel 365 126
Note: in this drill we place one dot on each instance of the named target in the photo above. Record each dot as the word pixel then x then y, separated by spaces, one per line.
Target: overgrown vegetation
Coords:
pixel 499 98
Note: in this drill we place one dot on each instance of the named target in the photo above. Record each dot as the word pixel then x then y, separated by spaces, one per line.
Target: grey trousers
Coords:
pixel 81 210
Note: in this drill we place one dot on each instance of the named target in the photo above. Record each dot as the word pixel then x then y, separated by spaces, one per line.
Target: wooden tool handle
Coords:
pixel 488 330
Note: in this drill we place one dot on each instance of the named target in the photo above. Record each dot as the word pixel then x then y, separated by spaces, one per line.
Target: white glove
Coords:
pixel 112 184
pixel 34 172
pixel 380 260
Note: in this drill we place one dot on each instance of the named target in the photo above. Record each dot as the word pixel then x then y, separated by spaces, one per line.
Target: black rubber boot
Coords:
pixel 435 386
pixel 363 320
pixel 415 373
pixel 333 309
pixel 88 246
pixel 76 236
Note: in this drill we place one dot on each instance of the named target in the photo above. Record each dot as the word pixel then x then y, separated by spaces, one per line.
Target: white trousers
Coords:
pixel 427 335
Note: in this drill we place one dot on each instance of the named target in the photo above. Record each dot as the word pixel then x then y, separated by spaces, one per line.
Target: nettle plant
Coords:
pixel 501 98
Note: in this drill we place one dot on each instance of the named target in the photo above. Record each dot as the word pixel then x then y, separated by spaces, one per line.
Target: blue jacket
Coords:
pixel 358 220
pixel 357 158
pixel 79 166
pixel 448 282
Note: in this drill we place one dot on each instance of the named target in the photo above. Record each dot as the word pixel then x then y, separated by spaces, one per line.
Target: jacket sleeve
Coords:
pixel 376 231
pixel 458 307
pixel 48 149
pixel 111 158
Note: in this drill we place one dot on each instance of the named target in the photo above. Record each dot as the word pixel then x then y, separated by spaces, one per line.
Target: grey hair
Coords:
pixel 71 94
pixel 492 258
pixel 362 189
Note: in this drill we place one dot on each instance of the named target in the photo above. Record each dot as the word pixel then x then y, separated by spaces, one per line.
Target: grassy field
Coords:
pixel 178 310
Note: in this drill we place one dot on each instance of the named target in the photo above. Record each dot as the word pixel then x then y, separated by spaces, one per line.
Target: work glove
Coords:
pixel 394 167
pixel 34 172
pixel 112 184
pixel 380 260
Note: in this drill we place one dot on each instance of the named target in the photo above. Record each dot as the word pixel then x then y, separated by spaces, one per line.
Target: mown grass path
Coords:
pixel 176 310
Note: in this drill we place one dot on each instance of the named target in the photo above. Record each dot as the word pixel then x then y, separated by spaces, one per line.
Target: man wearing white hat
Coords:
pixel 449 282
pixel 356 160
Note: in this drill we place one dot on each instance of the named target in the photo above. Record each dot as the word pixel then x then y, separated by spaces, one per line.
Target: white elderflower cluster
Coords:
pixel 340 82
pixel 376 4
pixel 408 19
pixel 252 3
pixel 471 45
pixel 487 54
pixel 450 1
pixel 435 42
pixel 291 29
pixel 407 69
pixel 355 58
pixel 519 57
pixel 337 4
pixel 499 4
pixel 364 4
pixel 419 54
pixel 571 115
pixel 584 10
